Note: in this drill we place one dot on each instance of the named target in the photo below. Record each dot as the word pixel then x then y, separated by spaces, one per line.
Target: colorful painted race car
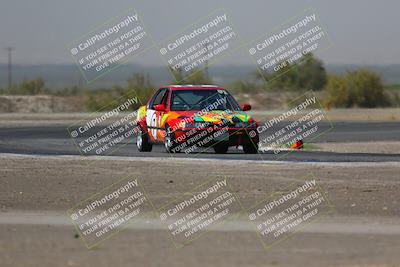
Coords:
pixel 190 117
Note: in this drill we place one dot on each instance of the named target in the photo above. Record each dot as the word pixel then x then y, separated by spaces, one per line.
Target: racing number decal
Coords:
pixel 153 117
pixel 154 124
pixel 153 120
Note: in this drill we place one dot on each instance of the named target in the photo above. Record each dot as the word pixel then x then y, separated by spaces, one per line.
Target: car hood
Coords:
pixel 217 116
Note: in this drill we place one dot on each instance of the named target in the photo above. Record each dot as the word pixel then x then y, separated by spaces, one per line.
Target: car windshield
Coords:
pixel 203 99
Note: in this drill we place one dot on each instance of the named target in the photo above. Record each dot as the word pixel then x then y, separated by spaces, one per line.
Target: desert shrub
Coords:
pixel 141 85
pixel 105 99
pixel 196 76
pixel 337 91
pixel 138 85
pixel 27 87
pixel 243 87
pixel 360 88
pixel 308 74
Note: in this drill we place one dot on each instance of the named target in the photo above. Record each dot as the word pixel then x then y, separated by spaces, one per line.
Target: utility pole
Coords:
pixel 9 50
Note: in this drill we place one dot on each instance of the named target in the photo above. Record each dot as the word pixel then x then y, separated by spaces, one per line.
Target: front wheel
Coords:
pixel 250 148
pixel 169 141
pixel 143 143
pixel 221 148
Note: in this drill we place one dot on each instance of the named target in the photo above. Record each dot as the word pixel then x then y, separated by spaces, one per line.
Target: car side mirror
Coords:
pixel 159 107
pixel 246 107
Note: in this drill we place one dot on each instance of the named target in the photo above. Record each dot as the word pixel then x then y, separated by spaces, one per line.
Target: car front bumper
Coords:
pixel 233 136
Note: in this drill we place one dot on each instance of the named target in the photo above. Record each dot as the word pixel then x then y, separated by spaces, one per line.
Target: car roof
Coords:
pixel 194 87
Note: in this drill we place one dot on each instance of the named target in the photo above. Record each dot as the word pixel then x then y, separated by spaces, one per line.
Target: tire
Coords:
pixel 169 141
pixel 221 148
pixel 250 148
pixel 143 143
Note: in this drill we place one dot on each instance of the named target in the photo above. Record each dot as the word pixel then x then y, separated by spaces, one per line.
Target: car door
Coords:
pixel 153 117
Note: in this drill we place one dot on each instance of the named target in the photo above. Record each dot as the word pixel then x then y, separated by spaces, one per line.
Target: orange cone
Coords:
pixel 297 145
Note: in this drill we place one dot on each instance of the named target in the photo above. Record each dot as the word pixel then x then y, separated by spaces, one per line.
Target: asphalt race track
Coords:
pixel 43 176
pixel 54 140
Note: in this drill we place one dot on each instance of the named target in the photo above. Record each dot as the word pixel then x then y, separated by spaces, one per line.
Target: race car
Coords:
pixel 190 117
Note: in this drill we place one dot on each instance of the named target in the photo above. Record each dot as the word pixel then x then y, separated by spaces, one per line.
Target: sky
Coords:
pixel 362 32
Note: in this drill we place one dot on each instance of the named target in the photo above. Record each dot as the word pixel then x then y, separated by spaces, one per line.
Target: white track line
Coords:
pixel 202 160
pixel 339 225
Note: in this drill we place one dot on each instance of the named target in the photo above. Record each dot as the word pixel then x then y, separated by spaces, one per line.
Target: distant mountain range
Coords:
pixel 60 76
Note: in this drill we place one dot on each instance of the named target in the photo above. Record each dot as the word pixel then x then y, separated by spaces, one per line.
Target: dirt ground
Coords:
pixel 382 147
pixel 362 230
